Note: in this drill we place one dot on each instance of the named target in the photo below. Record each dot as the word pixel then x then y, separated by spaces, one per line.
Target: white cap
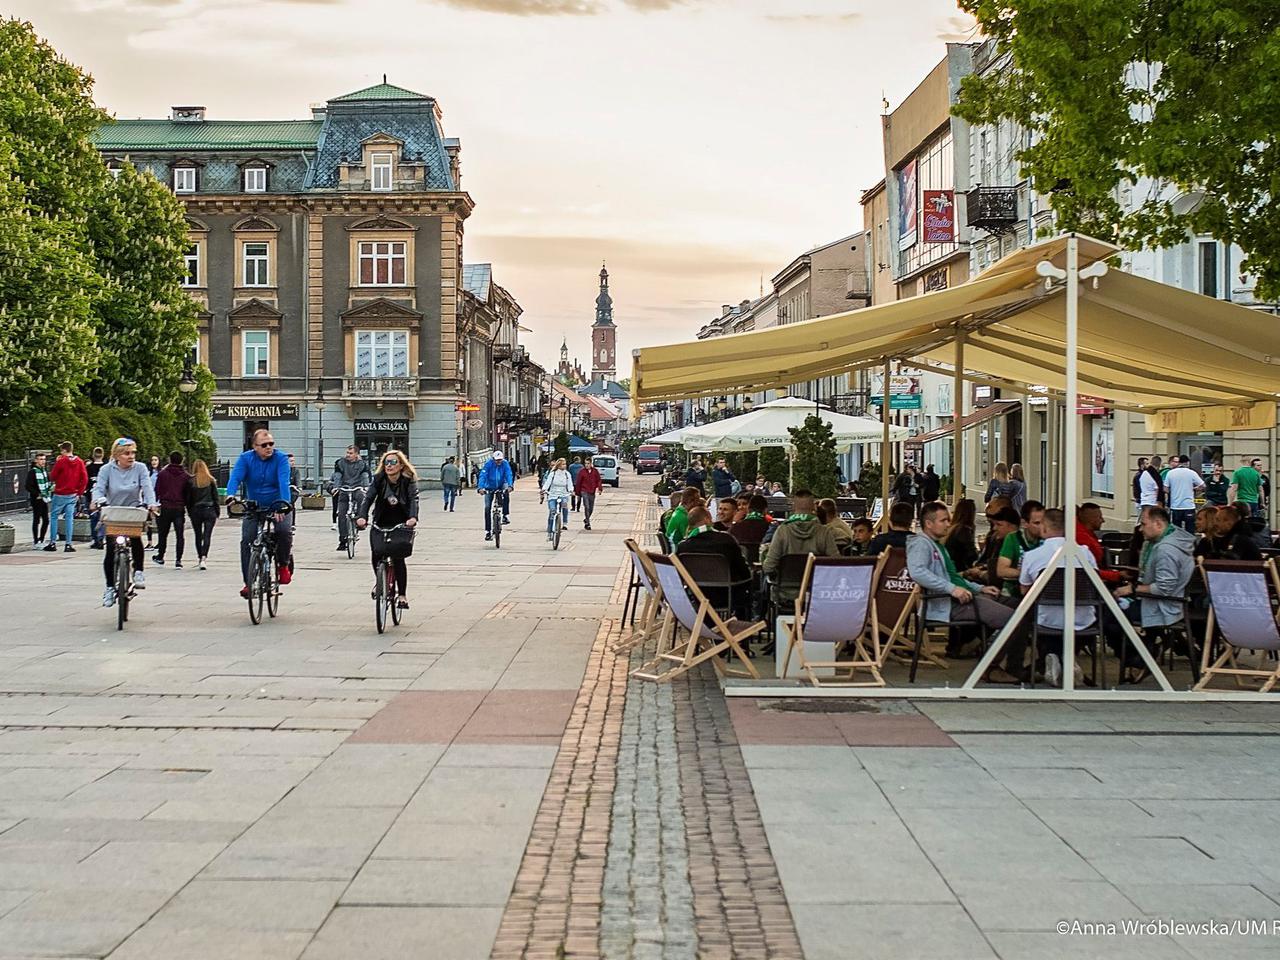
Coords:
pixel 497 454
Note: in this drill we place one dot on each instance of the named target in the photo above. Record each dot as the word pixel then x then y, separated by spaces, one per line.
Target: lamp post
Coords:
pixel 748 404
pixel 319 404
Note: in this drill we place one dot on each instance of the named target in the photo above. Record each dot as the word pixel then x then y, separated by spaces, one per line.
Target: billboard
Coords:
pixel 939 216
pixel 907 211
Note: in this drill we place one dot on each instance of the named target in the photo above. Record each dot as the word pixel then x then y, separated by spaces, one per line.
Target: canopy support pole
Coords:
pixel 957 414
pixel 884 444
pixel 1071 457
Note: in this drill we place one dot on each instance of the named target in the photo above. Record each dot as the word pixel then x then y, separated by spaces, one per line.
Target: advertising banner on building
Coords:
pixel 1104 457
pixel 908 213
pixel 939 216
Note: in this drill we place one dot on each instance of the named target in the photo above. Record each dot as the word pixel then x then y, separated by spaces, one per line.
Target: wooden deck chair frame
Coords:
pixel 708 634
pixel 894 640
pixel 653 603
pixel 863 660
pixel 1226 664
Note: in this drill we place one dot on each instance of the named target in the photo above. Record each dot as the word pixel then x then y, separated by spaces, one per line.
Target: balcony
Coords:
pixel 502 351
pixel 380 388
pixel 856 287
pixel 507 412
pixel 993 209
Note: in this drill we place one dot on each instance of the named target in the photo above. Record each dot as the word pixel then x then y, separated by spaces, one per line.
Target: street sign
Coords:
pixel 474 424
pixel 467 407
pixel 900 401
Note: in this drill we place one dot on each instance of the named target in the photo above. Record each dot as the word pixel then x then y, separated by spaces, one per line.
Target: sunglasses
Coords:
pixel 269 443
pixel 391 463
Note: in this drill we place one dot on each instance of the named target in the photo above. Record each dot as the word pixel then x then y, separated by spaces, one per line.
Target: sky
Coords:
pixel 696 146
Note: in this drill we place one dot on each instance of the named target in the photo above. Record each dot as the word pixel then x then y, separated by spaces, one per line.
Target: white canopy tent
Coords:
pixel 671 436
pixel 767 426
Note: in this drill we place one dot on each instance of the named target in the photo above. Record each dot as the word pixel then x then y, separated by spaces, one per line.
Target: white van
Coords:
pixel 608 467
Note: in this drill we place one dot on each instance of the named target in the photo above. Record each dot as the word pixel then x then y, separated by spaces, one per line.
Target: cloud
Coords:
pixel 558 8
pixel 958 29
pixel 810 18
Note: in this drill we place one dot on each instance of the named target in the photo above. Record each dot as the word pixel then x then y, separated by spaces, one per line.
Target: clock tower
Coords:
pixel 604 363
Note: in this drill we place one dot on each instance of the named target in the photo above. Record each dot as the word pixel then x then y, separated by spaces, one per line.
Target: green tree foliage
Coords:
pixel 773 465
pixel 560 446
pixel 815 457
pixel 88 426
pixel 1186 93
pixel 868 482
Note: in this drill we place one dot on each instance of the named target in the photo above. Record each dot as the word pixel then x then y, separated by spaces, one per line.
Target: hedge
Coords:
pixel 88 426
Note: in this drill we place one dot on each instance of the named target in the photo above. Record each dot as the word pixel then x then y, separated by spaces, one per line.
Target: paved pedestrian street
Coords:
pixel 483 781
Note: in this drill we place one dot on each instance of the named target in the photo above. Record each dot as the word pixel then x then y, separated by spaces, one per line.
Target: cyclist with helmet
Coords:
pixel 263 472
pixel 496 479
pixel 393 499
pixel 123 483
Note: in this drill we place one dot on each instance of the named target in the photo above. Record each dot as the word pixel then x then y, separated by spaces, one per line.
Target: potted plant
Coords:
pixel 313 501
pixel 6 538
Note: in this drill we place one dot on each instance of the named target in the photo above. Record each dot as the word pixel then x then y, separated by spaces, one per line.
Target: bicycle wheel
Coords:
pixel 557 527
pixel 380 598
pixel 271 587
pixel 393 600
pixel 122 585
pixel 255 588
pixel 495 522
pixel 352 537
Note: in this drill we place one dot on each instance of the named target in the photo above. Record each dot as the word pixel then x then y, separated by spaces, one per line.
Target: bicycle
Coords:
pixel 386 598
pixel 122 524
pixel 264 576
pixel 495 519
pixel 556 505
pixel 353 507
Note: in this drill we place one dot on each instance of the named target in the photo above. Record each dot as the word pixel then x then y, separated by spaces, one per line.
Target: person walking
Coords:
pixel 906 488
pixel 696 476
pixel 930 485
pixel 204 507
pixel 495 480
pixel 557 487
pixel 1246 488
pixel 575 468
pixel 39 492
pixel 295 483
pixel 1002 484
pixel 263 473
pixel 153 470
pixel 70 479
pixel 94 465
pixel 586 485
pixel 450 480
pixel 392 499
pixel 173 490
pixel 351 471
pixel 1180 486
pixel 722 479
pixel 123 483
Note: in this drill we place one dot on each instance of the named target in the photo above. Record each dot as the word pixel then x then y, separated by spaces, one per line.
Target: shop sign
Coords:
pixel 939 216
pixel 1091 406
pixel 254 411
pixel 382 426
pixel 1260 416
pixel 901 401
pixel 467 407
pixel 934 280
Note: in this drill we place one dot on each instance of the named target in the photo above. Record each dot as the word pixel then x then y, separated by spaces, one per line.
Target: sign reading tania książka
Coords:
pixel 254 411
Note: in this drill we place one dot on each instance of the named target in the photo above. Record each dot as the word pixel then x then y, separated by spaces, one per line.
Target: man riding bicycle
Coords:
pixel 495 478
pixel 263 471
pixel 351 471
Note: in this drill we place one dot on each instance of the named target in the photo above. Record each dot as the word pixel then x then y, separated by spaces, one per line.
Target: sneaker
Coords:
pixel 109 597
pixel 506 520
pixel 402 603
pixel 177 564
pixel 201 564
pixel 548 536
pixel 586 524
pixel 97 545
pixel 488 536
pixel 68 549
pixel 1053 669
pixel 244 592
pixel 50 547
pixel 286 576
pixel 333 526
pixel 342 544
pixel 158 560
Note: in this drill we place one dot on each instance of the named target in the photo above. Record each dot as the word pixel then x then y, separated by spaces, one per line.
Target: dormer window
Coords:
pixel 380 171
pixel 184 179
pixel 255 179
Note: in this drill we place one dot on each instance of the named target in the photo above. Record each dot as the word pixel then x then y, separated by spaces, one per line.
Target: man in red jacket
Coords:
pixel 70 480
pixel 586 486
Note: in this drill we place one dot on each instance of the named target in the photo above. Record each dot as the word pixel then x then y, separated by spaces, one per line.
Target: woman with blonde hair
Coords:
pixel 557 488
pixel 123 482
pixel 1008 484
pixel 204 507
pixel 393 500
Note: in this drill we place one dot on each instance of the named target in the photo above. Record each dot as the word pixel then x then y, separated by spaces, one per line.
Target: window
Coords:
pixel 184 179
pixel 256 350
pixel 382 353
pixel 191 263
pixel 380 171
pixel 195 354
pixel 255 179
pixel 1209 267
pixel 382 263
pixel 255 265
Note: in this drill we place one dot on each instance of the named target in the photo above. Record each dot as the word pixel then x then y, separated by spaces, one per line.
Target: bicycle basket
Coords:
pixel 124 521
pixel 397 543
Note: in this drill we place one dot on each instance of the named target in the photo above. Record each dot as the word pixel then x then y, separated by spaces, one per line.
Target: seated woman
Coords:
pixel 960 540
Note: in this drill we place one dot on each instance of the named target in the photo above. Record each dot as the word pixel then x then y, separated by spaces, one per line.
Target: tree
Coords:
pixel 815 457
pixel 773 465
pixel 1187 94
pixel 560 446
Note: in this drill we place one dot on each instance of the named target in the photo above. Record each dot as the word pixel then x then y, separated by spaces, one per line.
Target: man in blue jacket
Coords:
pixel 263 472
pixel 495 478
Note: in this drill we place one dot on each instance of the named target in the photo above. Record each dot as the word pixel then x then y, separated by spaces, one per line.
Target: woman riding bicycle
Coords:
pixel 393 498
pixel 124 483
pixel 557 488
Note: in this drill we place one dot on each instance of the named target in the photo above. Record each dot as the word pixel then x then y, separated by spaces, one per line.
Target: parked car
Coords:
pixel 649 458
pixel 608 467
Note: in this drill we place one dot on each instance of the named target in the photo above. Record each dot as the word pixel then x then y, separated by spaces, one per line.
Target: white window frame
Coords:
pixel 184 179
pixel 393 342
pixel 191 260
pixel 381 169
pixel 254 179
pixel 260 261
pixel 382 253
pixel 255 346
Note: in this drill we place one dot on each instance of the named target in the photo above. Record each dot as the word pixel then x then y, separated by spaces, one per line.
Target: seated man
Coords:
pixel 862 531
pixel 799 533
pixel 956 599
pixel 704 538
pixel 1005 522
pixel 1034 562
pixel 1088 523
pixel 1013 547
pixel 752 528
pixel 678 523
pixel 726 510
pixel 830 515
pixel 901 516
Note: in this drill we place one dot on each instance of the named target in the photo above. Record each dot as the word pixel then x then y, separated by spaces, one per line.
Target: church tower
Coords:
pixel 604 363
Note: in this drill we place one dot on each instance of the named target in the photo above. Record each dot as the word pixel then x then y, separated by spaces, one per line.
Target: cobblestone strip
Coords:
pixel 554 909
pixel 740 909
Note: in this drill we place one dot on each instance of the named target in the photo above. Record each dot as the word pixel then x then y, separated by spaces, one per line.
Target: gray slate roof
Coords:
pixel 476 278
pixel 600 387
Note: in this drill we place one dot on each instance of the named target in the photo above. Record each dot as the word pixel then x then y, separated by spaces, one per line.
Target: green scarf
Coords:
pixel 697 530
pixel 1148 547
pixel 753 515
pixel 952 573
pixel 797 517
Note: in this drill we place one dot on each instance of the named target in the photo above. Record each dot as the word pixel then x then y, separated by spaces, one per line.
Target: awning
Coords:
pixel 989 412
pixel 1143 345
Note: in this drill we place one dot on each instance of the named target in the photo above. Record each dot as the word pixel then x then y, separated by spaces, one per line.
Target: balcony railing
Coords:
pixel 993 209
pixel 380 388
pixel 502 351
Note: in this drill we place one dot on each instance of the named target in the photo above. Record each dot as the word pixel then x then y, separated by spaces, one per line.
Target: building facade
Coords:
pixel 326 255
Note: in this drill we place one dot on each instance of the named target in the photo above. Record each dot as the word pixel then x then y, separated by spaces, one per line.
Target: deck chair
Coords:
pixel 834 606
pixel 1240 608
pixel 709 635
pixel 893 602
pixel 644 580
pixel 710 571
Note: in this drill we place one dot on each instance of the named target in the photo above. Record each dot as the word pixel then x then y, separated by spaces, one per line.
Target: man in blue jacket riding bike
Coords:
pixel 263 471
pixel 495 478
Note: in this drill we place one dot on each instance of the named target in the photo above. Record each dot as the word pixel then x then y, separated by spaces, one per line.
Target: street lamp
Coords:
pixel 722 404
pixel 319 404
pixel 188 382
pixel 748 404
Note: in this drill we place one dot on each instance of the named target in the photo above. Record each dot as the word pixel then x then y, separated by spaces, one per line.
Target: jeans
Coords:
pixel 488 507
pixel 1186 519
pixel 64 508
pixel 109 558
pixel 176 519
pixel 202 523
pixel 39 520
pixel 588 501
pixel 249 530
pixel 563 504
pixel 344 522
pixel 450 492
pixel 95 527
